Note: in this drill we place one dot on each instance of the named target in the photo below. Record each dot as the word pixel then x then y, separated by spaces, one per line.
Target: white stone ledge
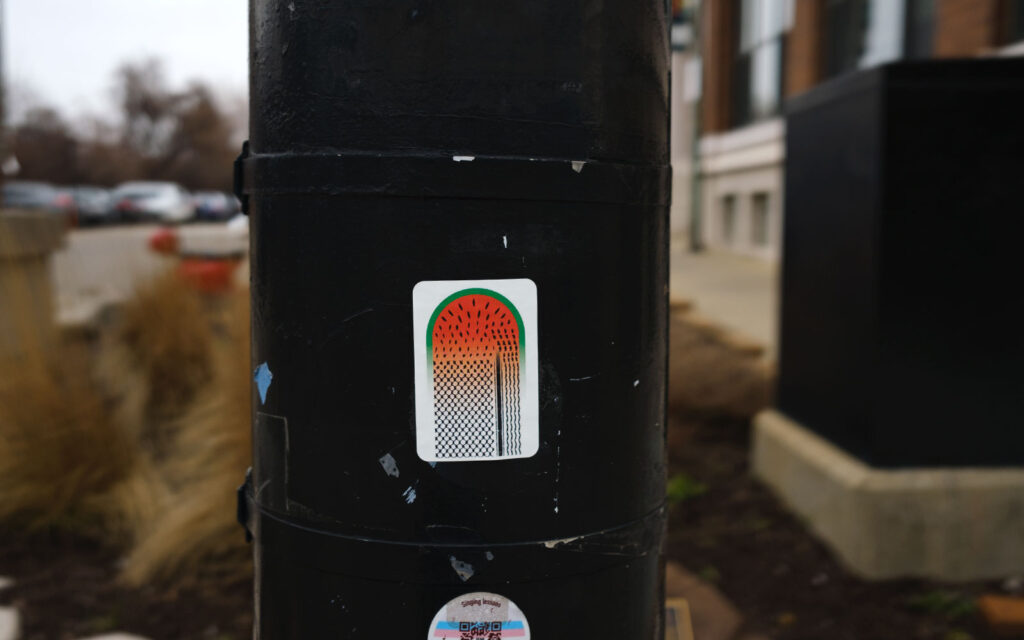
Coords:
pixel 948 524
pixel 10 624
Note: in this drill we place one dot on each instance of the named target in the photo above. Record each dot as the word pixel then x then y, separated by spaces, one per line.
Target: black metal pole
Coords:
pixel 439 190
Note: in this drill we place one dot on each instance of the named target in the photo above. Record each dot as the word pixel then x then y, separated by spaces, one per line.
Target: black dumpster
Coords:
pixel 459 284
pixel 900 338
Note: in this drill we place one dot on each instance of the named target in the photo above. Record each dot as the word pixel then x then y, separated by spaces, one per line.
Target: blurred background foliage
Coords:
pixel 189 136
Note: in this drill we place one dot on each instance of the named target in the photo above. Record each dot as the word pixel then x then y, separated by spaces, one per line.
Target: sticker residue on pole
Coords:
pixel 475 349
pixel 479 616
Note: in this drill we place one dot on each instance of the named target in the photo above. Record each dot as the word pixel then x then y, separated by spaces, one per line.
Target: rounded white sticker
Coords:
pixel 479 616
pixel 475 351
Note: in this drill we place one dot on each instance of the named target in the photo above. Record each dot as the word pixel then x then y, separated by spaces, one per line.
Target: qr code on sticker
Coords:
pixel 480 631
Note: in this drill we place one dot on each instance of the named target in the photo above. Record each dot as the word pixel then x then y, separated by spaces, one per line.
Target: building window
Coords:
pixel 1014 21
pixel 862 33
pixel 759 223
pixel 729 219
pixel 760 58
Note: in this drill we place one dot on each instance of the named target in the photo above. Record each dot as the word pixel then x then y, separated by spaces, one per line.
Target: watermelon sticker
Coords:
pixel 475 347
pixel 479 616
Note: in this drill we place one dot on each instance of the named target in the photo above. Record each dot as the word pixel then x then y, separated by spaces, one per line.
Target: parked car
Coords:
pixel 23 194
pixel 215 205
pixel 94 204
pixel 39 196
pixel 153 201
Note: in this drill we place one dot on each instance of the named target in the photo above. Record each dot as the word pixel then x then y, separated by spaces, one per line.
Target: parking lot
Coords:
pixel 102 265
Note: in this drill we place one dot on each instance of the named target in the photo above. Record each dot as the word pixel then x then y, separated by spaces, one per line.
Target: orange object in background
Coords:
pixel 164 241
pixel 206 267
pixel 1003 614
pixel 208 275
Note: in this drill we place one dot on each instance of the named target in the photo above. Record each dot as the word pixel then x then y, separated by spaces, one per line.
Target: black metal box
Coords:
pixel 901 337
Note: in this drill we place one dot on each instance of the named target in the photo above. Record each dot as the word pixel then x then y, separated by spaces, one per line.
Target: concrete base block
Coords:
pixel 26 295
pixel 946 524
pixel 30 234
pixel 10 624
pixel 677 620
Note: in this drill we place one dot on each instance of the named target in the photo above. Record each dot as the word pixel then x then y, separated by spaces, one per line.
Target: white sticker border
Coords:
pixel 426 296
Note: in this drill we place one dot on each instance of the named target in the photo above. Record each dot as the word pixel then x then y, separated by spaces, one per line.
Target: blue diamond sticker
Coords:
pixel 263 376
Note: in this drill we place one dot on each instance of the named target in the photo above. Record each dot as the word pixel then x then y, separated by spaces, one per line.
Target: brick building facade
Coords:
pixel 754 54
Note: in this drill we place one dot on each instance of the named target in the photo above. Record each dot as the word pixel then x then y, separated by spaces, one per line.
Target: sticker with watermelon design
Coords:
pixel 479 616
pixel 475 348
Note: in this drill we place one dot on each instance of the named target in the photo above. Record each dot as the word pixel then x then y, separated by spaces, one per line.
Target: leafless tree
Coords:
pixel 45 147
pixel 186 136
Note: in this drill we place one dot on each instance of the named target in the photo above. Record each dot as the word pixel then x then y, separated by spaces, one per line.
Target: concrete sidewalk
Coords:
pixel 737 292
pixel 101 266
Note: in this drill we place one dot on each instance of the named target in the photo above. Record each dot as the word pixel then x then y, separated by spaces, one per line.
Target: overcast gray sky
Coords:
pixel 66 50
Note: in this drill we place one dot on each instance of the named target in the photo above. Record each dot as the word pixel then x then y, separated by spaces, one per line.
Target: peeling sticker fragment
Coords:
pixel 409 495
pixel 387 461
pixel 463 569
pixel 262 376
pixel 551 544
pixel 577 165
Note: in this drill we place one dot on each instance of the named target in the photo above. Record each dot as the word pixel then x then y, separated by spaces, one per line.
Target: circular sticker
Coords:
pixel 479 616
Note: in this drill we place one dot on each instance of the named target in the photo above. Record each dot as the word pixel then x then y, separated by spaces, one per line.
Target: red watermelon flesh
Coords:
pixel 474 327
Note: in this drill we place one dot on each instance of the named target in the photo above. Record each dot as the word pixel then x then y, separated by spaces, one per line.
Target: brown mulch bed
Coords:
pixel 65 589
pixel 730 530
pixel 736 535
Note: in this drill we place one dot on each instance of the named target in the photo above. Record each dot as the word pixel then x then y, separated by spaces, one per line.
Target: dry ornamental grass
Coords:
pixel 157 358
pixel 139 439
pixel 196 535
pixel 59 448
